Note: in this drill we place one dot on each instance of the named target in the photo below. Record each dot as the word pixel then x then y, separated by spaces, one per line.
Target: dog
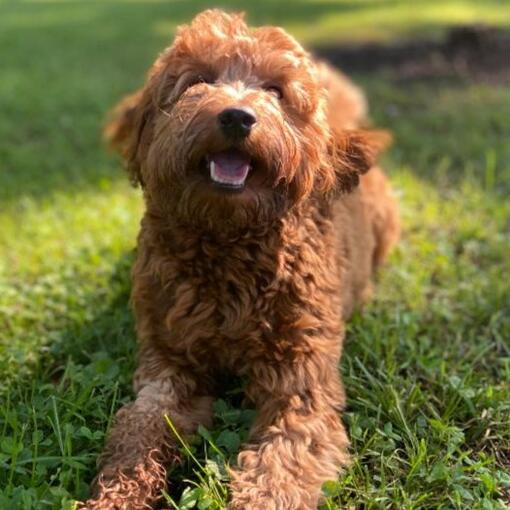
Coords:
pixel 266 218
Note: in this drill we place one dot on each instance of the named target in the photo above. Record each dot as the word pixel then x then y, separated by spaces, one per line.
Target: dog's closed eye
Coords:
pixel 275 90
pixel 185 82
pixel 198 79
pixel 189 80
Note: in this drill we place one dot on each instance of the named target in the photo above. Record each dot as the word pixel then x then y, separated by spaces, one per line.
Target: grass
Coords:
pixel 427 365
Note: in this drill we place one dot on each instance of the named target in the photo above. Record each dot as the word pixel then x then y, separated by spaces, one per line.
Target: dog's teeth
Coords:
pixel 212 169
pixel 216 178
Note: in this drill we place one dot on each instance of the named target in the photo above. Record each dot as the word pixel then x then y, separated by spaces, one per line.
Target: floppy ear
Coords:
pixel 127 130
pixel 354 153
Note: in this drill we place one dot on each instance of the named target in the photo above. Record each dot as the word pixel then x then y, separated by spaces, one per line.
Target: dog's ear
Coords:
pixel 354 152
pixel 127 130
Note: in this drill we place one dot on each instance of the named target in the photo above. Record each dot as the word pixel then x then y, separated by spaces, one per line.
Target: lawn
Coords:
pixel 426 366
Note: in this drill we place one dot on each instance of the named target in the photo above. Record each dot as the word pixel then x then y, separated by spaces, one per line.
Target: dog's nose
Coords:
pixel 237 122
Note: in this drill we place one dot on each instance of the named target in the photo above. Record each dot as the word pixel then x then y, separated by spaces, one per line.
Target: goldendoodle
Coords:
pixel 262 230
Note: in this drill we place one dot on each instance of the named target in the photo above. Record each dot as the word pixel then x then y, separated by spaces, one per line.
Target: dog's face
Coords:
pixel 230 129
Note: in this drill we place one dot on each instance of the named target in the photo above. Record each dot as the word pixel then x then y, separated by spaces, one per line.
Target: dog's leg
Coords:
pixel 298 440
pixel 141 443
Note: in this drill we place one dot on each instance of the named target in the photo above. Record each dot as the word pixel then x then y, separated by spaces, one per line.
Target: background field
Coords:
pixel 426 367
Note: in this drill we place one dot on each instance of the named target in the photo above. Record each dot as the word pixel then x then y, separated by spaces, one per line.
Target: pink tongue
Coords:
pixel 231 164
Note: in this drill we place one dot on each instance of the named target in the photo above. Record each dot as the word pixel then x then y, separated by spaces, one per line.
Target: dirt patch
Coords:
pixel 478 53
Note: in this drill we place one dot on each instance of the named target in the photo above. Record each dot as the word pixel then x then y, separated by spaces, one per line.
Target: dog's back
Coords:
pixel 371 209
pixel 347 105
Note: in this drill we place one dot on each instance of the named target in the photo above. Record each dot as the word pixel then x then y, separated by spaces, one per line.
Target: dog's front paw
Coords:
pixel 138 490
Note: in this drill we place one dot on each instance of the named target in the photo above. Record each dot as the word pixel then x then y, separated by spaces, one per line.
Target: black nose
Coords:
pixel 237 122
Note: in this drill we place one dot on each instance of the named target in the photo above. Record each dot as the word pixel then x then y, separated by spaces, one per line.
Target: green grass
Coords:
pixel 427 365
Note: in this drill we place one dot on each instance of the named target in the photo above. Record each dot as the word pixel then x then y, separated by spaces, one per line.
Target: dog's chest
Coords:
pixel 224 302
pixel 229 305
pixel 231 308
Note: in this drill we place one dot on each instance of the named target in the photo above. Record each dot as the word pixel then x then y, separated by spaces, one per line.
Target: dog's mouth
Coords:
pixel 229 169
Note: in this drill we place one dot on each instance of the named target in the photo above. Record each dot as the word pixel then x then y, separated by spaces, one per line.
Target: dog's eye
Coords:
pixel 274 90
pixel 196 80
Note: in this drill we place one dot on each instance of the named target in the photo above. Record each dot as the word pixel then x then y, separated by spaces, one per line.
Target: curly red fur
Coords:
pixel 257 283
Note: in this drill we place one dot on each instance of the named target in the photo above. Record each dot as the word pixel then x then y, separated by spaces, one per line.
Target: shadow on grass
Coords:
pixel 68 63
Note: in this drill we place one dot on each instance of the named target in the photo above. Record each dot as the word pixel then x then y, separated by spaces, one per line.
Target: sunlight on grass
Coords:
pixel 373 21
pixel 68 226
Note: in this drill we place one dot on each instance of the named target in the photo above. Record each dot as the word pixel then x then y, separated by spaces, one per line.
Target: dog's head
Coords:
pixel 231 127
